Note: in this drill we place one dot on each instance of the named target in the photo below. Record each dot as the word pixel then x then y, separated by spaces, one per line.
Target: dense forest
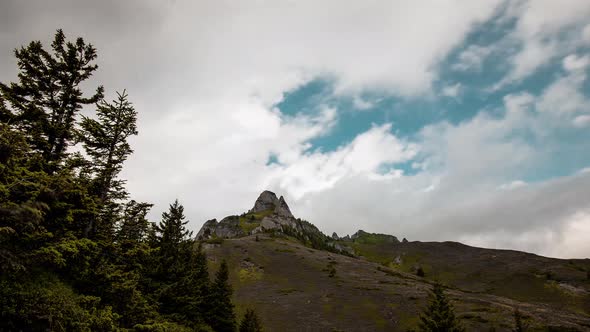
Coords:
pixel 77 253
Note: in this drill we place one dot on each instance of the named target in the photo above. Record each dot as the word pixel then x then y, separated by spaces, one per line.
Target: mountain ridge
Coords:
pixel 267 246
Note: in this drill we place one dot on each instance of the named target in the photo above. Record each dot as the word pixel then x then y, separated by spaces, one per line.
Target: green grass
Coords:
pixel 372 238
pixel 250 274
pixel 249 221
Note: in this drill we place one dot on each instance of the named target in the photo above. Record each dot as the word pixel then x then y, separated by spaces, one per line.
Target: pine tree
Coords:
pixel 250 322
pixel 439 316
pixel 221 315
pixel 194 287
pixel 45 101
pixel 172 230
pixel 105 141
pixel 134 224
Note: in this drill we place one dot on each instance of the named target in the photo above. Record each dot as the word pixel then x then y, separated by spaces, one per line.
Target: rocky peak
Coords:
pixel 282 209
pixel 269 201
pixel 266 201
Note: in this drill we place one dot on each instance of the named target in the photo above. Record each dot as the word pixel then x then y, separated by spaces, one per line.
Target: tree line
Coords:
pixel 76 252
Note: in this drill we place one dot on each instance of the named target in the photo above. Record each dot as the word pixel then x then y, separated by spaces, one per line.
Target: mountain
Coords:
pixel 297 278
pixel 270 215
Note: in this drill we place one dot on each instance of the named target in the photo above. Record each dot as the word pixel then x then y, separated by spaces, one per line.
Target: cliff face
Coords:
pixel 269 213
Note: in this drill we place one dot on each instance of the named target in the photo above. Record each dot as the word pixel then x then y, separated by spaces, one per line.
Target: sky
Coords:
pixel 431 120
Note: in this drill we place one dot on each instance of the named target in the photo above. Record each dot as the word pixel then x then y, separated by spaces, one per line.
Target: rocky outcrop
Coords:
pixel 267 200
pixel 269 213
pixel 272 214
pixel 228 227
pixel 361 235
pixel 207 230
pixel 282 209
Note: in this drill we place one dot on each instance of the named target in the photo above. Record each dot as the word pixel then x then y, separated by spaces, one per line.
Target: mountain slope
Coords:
pixel 298 279
pixel 290 287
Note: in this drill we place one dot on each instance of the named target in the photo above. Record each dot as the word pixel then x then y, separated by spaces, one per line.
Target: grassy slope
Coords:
pixel 289 286
pixel 517 275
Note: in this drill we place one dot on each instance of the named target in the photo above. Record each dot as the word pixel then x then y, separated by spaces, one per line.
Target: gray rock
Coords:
pixel 266 201
pixel 269 223
pixel 335 236
pixel 207 230
pixel 229 227
pixel 282 209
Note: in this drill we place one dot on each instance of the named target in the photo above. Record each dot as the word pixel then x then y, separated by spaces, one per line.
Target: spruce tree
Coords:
pixel 105 141
pixel 134 226
pixel 439 316
pixel 250 322
pixel 221 315
pixel 47 98
pixel 172 239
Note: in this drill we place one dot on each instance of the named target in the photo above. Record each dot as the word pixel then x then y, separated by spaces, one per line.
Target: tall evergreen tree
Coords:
pixel 134 224
pixel 439 316
pixel 250 322
pixel 45 101
pixel 172 230
pixel 105 140
pixel 221 315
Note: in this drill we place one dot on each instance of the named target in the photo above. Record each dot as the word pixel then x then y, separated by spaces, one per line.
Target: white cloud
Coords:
pixel 564 96
pixel 586 34
pixel 472 58
pixel 573 62
pixel 361 104
pixel 582 121
pixel 544 29
pixel 205 76
pixel 451 90
pixel 512 185
pixel 317 171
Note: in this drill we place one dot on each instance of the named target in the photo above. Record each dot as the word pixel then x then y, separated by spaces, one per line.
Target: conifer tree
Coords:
pixel 134 224
pixel 439 316
pixel 172 230
pixel 221 315
pixel 105 140
pixel 250 322
pixel 45 101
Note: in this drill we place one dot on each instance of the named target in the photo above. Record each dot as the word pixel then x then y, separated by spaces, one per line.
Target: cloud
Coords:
pixel 318 171
pixel 472 58
pixel 361 104
pixel 455 194
pixel 582 121
pixel 451 90
pixel 544 30
pixel 206 76
pixel 574 62
pixel 512 185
